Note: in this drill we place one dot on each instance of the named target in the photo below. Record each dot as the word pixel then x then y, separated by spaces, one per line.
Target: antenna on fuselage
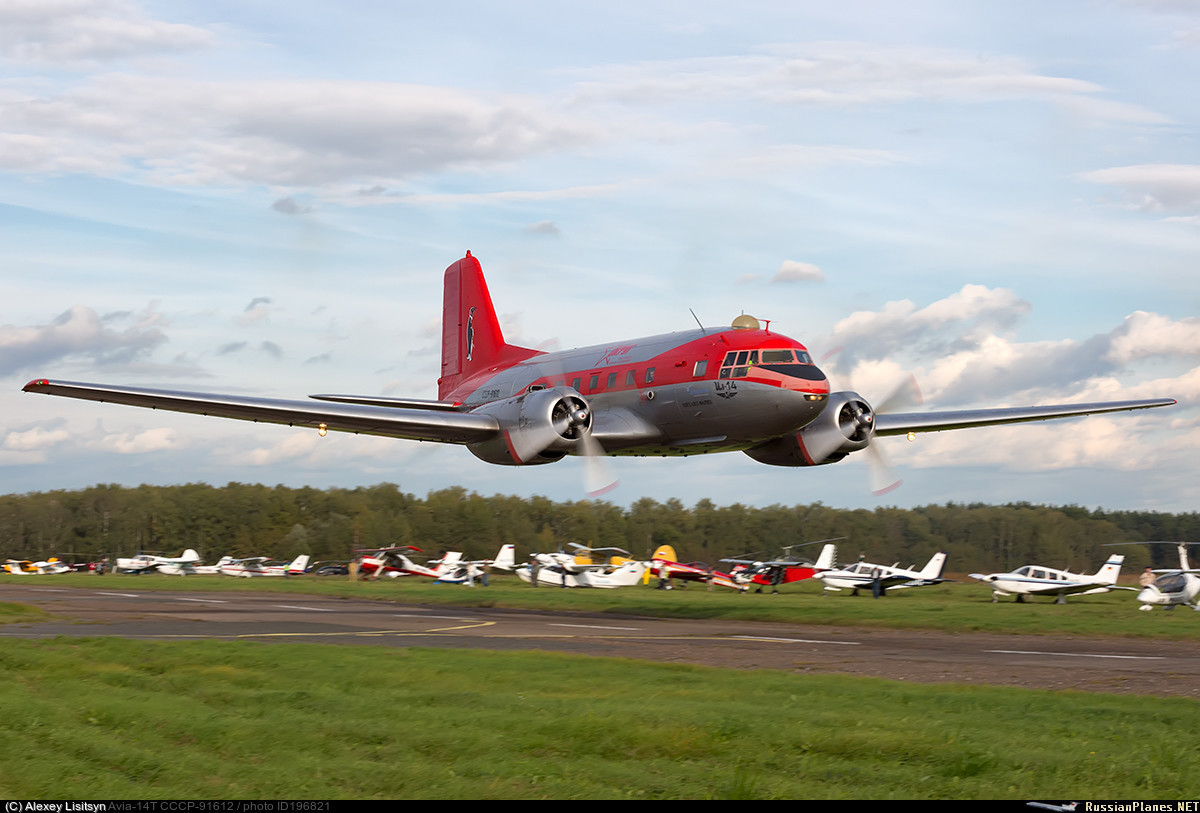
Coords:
pixel 697 318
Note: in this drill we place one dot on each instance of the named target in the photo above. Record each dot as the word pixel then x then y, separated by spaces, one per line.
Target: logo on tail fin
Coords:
pixel 470 333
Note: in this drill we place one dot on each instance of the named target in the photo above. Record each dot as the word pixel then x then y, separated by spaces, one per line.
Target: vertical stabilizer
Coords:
pixel 1111 571
pixel 933 570
pixel 298 564
pixel 472 342
pixel 828 555
pixel 506 559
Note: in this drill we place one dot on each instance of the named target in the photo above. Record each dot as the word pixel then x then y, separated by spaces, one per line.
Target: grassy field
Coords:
pixel 963 607
pixel 105 719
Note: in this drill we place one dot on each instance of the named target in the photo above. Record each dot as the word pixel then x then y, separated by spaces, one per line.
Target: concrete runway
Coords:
pixel 1118 665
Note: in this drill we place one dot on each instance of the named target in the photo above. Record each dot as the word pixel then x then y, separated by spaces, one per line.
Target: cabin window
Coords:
pixel 575 382
pixel 630 379
pixel 649 375
pixel 700 367
pixel 593 383
pixel 612 381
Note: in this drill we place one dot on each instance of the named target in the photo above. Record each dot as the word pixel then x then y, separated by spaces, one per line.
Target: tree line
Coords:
pixel 242 519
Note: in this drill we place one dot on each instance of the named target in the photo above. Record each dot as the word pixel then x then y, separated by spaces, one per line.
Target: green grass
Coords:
pixel 90 718
pixel 955 607
pixel 12 612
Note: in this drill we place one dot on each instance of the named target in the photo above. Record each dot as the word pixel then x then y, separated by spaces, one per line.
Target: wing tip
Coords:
pixel 36 385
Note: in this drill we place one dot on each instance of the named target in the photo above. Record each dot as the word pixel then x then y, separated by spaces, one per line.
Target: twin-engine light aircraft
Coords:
pixel 1035 580
pixel 743 388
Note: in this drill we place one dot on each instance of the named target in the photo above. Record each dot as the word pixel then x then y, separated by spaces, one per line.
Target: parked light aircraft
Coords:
pixel 382 561
pixel 451 568
pixel 145 562
pixel 664 566
pixel 25 567
pixel 1035 580
pixel 573 569
pixel 881 578
pixel 194 568
pixel 784 570
pixel 1174 587
pixel 743 388
pixel 263 566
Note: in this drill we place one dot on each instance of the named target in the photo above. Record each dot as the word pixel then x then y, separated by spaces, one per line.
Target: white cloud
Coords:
pixel 1154 187
pixel 846 74
pixel 151 440
pixel 35 439
pixel 282 133
pixel 70 32
pixel 795 271
pixel 1145 335
pixel 79 331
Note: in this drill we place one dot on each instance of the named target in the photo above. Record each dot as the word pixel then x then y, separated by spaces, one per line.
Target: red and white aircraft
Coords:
pixel 744 388
pixel 664 566
pixel 378 562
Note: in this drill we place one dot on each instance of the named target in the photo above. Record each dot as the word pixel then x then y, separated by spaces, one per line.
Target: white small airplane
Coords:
pixel 194 568
pixel 24 567
pixel 144 562
pixel 881 578
pixel 566 569
pixel 1036 580
pixel 263 566
pixel 1173 587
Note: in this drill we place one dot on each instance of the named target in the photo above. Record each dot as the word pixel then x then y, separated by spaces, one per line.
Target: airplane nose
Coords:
pixel 1149 595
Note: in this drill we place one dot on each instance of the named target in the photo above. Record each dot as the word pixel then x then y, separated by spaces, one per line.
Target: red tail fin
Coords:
pixel 472 342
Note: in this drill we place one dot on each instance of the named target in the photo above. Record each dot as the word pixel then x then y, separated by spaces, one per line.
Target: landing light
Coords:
pixel 322 429
pixel 912 436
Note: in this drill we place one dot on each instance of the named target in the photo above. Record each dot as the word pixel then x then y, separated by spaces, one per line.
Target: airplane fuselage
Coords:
pixel 679 393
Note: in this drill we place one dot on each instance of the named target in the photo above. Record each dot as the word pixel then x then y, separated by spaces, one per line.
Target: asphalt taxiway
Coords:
pixel 1126 666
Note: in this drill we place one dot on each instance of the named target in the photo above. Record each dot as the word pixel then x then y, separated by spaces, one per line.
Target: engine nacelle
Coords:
pixel 846 425
pixel 538 427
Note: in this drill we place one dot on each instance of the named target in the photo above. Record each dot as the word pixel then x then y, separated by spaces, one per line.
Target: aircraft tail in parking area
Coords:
pixel 933 570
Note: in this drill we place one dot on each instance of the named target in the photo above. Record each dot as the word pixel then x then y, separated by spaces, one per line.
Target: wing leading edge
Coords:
pixel 901 423
pixel 432 423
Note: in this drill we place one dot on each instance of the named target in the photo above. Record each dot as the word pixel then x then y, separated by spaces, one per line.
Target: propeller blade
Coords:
pixel 883 480
pixel 597 477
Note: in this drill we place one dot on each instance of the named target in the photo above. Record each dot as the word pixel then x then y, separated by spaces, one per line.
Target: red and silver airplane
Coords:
pixel 744 388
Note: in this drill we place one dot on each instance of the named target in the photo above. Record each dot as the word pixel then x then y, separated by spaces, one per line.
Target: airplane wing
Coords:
pixel 413 421
pixel 901 423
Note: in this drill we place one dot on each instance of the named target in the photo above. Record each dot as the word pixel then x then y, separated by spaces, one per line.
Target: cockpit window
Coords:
pixel 737 363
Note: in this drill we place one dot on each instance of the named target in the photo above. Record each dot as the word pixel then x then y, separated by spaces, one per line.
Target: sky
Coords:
pixel 999 200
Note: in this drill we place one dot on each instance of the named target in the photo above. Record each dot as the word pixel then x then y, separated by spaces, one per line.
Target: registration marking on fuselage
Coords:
pixel 795 640
pixel 596 627
pixel 1076 654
